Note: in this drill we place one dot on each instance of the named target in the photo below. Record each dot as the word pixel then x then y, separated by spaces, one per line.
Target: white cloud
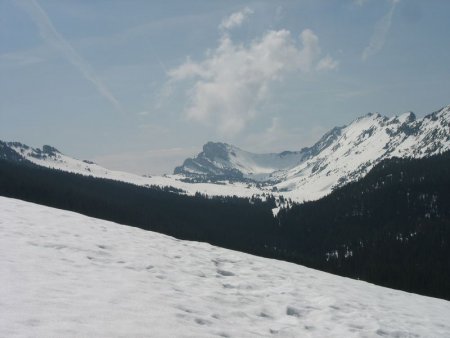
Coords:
pixel 327 63
pixel 236 19
pixel 233 79
pixel 380 32
pixel 57 41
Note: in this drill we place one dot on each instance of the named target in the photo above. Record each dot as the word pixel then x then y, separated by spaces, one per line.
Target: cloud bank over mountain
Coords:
pixel 226 88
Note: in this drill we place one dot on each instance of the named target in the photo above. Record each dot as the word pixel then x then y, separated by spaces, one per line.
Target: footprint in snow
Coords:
pixel 225 273
pixel 292 311
pixel 201 321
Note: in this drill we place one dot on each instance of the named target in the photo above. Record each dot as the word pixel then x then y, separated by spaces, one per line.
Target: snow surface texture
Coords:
pixel 342 155
pixel 65 275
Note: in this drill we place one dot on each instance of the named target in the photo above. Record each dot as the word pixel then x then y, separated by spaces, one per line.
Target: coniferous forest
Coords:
pixel 391 228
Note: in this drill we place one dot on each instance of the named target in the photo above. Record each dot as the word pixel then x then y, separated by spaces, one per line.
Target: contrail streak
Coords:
pixel 51 36
pixel 379 35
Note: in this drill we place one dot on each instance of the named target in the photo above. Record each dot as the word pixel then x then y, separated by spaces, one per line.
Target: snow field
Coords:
pixel 67 275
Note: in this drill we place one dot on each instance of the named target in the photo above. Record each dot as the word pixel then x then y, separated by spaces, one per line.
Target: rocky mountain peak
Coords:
pixel 49 150
pixel 216 150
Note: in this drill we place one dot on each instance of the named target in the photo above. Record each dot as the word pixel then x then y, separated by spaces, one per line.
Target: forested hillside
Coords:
pixel 391 228
pixel 231 222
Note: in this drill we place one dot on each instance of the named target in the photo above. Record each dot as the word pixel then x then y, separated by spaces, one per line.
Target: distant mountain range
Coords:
pixel 342 155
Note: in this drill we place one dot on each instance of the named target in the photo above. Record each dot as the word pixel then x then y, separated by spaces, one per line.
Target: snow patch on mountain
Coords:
pixel 67 275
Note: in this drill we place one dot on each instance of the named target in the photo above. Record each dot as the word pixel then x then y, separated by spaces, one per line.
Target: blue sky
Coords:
pixel 141 85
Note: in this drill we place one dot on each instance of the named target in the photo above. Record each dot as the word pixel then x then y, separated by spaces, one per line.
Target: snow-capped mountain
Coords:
pixel 342 155
pixel 67 275
pixel 223 161
pixel 50 157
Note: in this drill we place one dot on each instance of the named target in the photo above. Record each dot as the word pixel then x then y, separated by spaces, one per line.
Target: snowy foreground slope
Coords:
pixel 63 274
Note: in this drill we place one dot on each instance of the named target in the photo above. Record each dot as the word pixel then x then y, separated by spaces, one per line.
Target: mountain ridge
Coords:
pixel 342 155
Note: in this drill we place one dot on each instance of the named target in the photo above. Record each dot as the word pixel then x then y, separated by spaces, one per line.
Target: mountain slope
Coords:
pixel 342 155
pixel 63 274
pixel 366 142
pixel 50 157
pixel 391 227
